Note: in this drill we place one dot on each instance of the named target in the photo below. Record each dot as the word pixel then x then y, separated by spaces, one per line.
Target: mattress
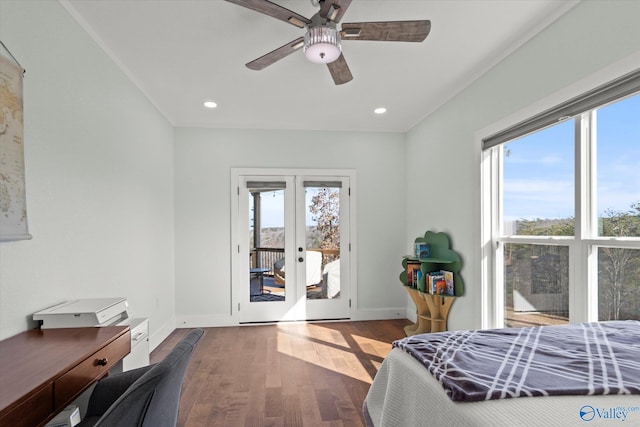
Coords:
pixel 403 393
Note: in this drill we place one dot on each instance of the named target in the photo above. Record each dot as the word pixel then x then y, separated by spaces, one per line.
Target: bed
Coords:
pixel 511 377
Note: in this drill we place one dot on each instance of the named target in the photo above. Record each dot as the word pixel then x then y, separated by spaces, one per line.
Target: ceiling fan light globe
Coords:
pixel 322 44
pixel 322 53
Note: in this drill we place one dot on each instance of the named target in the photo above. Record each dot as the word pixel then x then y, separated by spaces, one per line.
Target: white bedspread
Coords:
pixel 405 394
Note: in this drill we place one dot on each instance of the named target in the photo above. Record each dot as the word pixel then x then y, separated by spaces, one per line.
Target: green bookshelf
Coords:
pixel 432 309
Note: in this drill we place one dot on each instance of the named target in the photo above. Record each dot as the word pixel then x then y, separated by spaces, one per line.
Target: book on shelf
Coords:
pixel 412 267
pixel 432 281
pixel 420 284
pixel 448 279
pixel 422 250
pixel 440 283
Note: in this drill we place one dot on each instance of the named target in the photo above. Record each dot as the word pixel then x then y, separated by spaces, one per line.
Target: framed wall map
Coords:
pixel 13 206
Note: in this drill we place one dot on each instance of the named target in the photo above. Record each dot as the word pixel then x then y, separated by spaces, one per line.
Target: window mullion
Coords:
pixel 495 296
pixel 499 295
pixel 590 251
pixel 583 304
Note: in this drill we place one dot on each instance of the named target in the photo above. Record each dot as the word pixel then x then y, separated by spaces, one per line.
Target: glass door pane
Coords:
pixel 267 208
pixel 322 235
pixel 266 245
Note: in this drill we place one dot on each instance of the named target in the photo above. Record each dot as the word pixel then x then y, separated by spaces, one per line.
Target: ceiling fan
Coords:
pixel 322 42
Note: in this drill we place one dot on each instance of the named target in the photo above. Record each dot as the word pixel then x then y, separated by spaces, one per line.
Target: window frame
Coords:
pixel 583 246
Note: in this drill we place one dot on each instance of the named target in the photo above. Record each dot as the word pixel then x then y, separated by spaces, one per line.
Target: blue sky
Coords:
pixel 538 173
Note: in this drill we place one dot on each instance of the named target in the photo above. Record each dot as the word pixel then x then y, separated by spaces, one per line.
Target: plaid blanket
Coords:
pixel 579 359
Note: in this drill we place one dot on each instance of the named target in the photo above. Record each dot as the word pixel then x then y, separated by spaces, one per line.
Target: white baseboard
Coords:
pixel 380 314
pixel 206 321
pixel 213 321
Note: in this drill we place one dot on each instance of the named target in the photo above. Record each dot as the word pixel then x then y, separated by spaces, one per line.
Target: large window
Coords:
pixel 564 216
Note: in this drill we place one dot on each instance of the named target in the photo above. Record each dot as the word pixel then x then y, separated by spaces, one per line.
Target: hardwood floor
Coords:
pixel 302 374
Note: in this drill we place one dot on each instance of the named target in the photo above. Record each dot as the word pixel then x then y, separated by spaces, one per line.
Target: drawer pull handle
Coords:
pixel 102 362
pixel 138 336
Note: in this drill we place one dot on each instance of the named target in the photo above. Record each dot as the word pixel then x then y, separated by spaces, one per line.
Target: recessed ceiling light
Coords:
pixel 210 104
pixel 380 110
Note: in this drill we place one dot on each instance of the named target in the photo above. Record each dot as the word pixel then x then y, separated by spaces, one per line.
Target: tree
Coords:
pixel 546 227
pixel 614 294
pixel 325 207
pixel 619 268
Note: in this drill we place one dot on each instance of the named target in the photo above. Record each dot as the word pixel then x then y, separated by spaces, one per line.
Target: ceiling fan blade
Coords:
pixel 340 71
pixel 276 55
pixel 273 10
pixel 333 10
pixel 392 31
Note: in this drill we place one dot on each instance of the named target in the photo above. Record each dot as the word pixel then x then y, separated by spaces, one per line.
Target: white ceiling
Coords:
pixel 183 52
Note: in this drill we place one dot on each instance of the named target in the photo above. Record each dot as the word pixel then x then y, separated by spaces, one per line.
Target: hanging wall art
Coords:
pixel 13 205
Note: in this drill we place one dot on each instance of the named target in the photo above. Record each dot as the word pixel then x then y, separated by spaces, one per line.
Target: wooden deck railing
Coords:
pixel 266 257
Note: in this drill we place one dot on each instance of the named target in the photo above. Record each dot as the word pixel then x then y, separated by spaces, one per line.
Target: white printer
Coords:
pixel 101 312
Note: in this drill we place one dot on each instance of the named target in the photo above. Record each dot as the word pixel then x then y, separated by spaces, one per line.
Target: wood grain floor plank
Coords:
pixel 290 374
pixel 291 410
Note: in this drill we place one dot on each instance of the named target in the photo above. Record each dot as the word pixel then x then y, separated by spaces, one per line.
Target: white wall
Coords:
pixel 590 37
pixel 203 162
pixel 99 176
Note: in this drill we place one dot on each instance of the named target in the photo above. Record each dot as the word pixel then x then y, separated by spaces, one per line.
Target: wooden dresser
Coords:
pixel 42 371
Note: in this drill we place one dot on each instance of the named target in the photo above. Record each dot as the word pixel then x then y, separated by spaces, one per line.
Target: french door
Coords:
pixel 293 258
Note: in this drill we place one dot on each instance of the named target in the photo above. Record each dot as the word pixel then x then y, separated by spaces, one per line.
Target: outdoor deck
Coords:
pixel 275 292
pixel 514 319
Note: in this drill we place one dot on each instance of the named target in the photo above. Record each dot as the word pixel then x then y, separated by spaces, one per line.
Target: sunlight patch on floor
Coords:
pixel 331 350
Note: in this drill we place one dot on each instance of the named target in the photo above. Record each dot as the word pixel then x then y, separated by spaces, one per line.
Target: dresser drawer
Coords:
pixel 72 383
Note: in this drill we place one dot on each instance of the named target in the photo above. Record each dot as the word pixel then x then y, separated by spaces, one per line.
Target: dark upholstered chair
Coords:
pixel 144 397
